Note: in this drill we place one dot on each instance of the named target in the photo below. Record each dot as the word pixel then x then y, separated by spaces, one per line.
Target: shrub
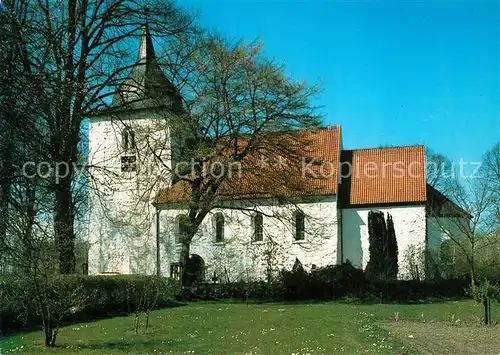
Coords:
pixel 75 298
pixel 242 291
pixel 336 281
pixel 416 290
pixel 484 292
pixel 330 283
pixel 296 283
pixel 326 283
pixel 122 294
pixel 14 310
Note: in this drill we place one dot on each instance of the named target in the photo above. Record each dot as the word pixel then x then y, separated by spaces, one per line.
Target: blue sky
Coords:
pixel 392 72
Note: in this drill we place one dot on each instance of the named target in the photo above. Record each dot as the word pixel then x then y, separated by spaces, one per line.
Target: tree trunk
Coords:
pixel 63 226
pixel 196 216
pixel 50 334
pixel 7 123
pixel 4 213
pixel 472 269
pixel 489 309
pixel 184 258
pixel 48 326
pixel 29 250
pixel 6 145
pixel 486 304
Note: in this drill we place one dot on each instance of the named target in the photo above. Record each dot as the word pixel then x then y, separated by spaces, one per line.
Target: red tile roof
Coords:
pixel 318 157
pixel 383 176
pixel 178 192
pixel 377 176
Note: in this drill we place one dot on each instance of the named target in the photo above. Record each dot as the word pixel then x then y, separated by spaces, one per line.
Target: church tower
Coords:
pixel 130 156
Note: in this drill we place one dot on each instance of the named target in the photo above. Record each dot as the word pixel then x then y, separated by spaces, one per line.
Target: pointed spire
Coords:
pixel 147 81
pixel 146 49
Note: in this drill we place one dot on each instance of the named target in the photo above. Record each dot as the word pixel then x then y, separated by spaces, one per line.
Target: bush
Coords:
pixel 416 290
pixel 78 298
pixel 330 283
pixel 75 298
pixel 242 291
pixel 296 283
pixel 484 292
pixel 14 310
pixel 123 294
pixel 333 282
pixel 326 283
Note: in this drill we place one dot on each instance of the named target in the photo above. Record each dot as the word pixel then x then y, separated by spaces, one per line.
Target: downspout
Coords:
pixel 158 268
pixel 426 248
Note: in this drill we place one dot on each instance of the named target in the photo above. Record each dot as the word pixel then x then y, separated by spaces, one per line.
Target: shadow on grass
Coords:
pixel 143 344
pixel 93 317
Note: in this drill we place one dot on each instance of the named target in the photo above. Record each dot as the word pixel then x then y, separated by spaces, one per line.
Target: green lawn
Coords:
pixel 230 328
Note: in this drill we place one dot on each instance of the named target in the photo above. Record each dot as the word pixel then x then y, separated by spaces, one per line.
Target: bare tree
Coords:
pixel 441 172
pixel 240 110
pixel 60 62
pixel 79 50
pixel 235 101
pixel 21 132
pixel 468 216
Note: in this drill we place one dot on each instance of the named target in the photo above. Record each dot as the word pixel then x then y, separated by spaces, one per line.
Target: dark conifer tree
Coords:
pixel 377 232
pixel 392 250
pixel 383 262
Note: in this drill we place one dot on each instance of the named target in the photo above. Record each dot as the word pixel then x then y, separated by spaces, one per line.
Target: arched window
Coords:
pixel 299 219
pixel 219 227
pixel 128 160
pixel 128 139
pixel 181 228
pixel 258 227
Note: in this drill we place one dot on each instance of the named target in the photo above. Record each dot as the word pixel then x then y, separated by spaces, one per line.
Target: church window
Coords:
pixel 128 139
pixel 219 227
pixel 258 227
pixel 182 228
pixel 175 271
pixel 129 163
pixel 299 219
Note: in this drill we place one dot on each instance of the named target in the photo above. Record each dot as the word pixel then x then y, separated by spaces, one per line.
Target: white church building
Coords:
pixel 136 210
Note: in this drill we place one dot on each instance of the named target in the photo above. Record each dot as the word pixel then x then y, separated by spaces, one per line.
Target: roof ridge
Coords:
pixel 323 128
pixel 313 129
pixel 386 148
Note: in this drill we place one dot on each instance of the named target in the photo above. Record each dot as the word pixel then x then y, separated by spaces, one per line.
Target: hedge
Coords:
pixel 77 298
pixel 85 297
pixel 330 283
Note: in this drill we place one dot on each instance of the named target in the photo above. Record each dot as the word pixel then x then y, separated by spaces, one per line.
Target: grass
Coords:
pixel 318 328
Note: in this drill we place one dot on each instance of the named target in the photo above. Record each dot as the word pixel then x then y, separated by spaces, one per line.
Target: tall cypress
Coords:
pixel 392 249
pixel 383 262
pixel 377 234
